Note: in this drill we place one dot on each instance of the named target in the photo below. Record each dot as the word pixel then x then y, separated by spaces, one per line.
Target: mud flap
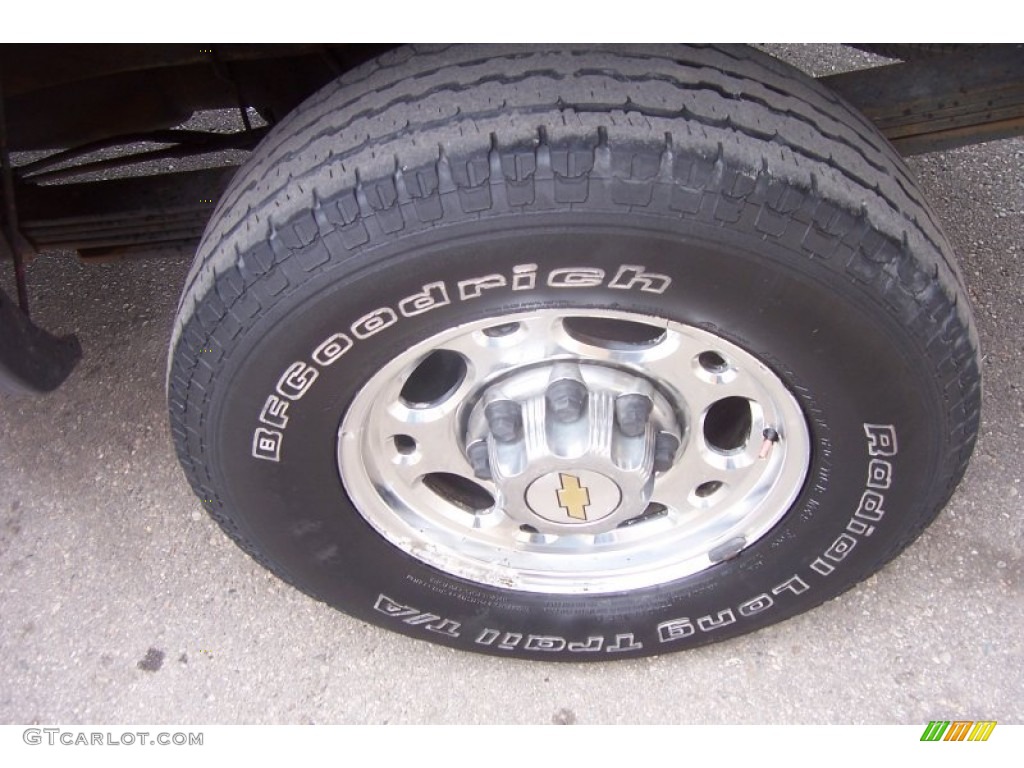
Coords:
pixel 32 361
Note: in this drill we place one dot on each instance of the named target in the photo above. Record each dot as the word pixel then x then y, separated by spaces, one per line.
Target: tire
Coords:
pixel 433 272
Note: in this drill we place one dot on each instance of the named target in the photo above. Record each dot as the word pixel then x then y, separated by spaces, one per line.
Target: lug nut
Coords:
pixel 505 420
pixel 566 400
pixel 665 447
pixel 479 459
pixel 632 412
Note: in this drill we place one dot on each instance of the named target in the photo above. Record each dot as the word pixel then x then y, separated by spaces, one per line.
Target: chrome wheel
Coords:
pixel 564 452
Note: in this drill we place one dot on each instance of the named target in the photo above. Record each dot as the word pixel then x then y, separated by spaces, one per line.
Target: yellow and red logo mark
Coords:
pixel 573 497
pixel 958 730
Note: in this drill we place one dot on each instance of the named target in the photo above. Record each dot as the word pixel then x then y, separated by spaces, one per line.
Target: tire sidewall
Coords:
pixel 858 376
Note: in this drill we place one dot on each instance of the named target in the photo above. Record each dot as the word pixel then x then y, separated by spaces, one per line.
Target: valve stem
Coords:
pixel 771 437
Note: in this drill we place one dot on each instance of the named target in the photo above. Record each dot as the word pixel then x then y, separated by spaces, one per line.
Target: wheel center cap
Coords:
pixel 573 497
pixel 571 448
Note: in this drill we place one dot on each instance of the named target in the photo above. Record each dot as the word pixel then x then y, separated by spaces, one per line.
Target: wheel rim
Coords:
pixel 460 451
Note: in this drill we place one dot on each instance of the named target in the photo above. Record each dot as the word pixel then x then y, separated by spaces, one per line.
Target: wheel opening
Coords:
pixel 709 488
pixel 497 331
pixel 460 491
pixel 435 378
pixel 654 510
pixel 712 362
pixel 404 444
pixel 613 334
pixel 727 424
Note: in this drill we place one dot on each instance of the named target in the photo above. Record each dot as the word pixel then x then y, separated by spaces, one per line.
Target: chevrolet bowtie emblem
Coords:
pixel 573 497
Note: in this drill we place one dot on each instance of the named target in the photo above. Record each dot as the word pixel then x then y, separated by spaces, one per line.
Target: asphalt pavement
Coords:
pixel 121 602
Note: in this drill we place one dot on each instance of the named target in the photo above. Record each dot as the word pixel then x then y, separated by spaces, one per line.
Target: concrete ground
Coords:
pixel 121 602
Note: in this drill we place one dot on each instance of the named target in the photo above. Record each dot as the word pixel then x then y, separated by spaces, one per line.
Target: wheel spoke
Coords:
pixel 674 488
pixel 507 347
pixel 435 441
